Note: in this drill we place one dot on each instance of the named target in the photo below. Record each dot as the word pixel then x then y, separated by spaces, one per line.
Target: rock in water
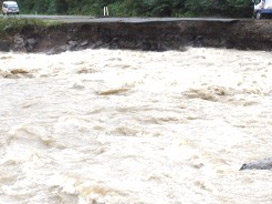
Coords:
pixel 265 164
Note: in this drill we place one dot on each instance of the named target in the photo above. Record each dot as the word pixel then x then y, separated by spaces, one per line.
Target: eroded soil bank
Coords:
pixel 152 35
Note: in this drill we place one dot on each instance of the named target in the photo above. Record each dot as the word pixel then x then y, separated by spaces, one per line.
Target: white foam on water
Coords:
pixel 113 126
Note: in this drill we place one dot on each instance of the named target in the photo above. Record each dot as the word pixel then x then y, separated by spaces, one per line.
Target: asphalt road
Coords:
pixel 115 19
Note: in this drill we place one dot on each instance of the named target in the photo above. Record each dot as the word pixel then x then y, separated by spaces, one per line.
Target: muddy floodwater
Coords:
pixel 133 127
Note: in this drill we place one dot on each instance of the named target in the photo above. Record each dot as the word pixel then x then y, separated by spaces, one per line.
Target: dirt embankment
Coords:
pixel 153 35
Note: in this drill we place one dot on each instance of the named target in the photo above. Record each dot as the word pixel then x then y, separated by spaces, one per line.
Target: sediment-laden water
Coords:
pixel 116 127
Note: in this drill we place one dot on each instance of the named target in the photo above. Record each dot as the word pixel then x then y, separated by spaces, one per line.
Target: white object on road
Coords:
pixel 106 11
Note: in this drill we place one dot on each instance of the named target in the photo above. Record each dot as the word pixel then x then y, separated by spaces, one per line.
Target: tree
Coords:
pixel 228 8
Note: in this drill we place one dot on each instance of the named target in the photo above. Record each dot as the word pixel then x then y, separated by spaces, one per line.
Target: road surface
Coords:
pixel 117 19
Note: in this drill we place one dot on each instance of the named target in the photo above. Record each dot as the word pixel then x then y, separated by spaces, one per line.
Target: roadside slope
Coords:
pixel 157 35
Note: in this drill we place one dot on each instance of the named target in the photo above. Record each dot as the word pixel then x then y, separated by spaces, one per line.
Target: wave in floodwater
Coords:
pixel 112 126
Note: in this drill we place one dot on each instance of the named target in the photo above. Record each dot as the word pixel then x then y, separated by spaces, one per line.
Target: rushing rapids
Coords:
pixel 112 126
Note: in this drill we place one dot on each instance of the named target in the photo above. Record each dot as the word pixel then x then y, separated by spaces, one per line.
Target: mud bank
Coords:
pixel 150 35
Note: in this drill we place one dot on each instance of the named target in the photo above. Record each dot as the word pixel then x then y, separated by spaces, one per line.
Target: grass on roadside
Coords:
pixel 16 25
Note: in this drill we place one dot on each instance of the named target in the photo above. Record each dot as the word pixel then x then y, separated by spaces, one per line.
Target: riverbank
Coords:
pixel 141 34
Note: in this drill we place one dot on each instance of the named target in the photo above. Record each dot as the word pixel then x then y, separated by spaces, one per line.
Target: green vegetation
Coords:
pixel 158 8
pixel 13 25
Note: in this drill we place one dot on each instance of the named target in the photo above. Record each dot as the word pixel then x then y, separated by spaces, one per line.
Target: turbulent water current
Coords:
pixel 133 127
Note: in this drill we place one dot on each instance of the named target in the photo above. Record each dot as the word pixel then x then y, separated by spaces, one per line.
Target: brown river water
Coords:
pixel 133 127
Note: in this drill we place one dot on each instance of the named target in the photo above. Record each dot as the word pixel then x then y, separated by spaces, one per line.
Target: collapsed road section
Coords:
pixel 142 34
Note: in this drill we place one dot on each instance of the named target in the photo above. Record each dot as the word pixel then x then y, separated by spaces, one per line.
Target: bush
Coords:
pixel 156 8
